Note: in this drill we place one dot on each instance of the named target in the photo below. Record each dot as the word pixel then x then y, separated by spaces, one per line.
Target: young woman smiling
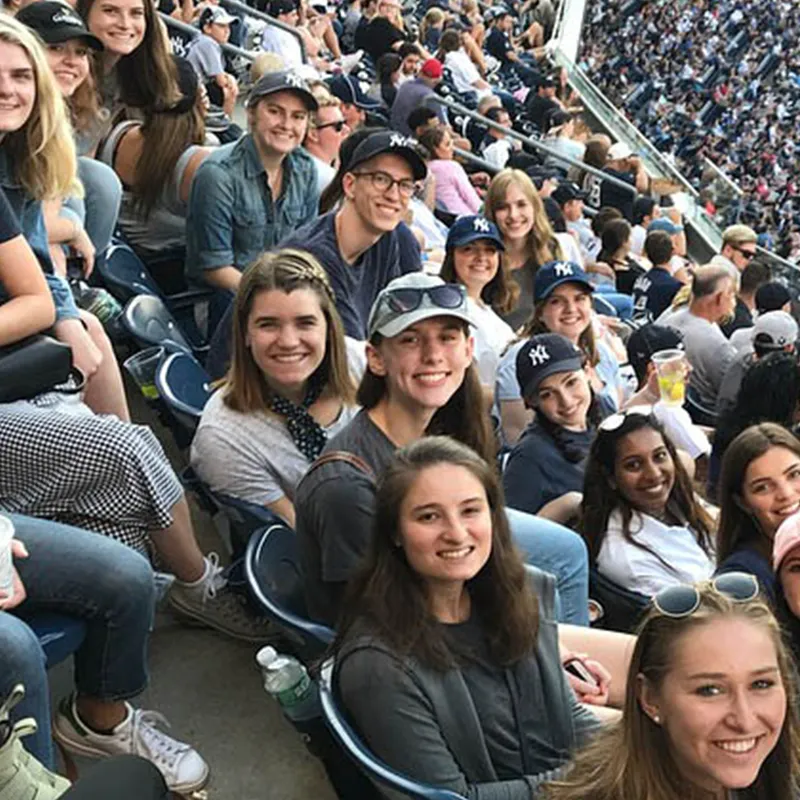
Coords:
pixel 759 488
pixel 640 517
pixel 473 259
pixel 447 655
pixel 710 710
pixel 289 387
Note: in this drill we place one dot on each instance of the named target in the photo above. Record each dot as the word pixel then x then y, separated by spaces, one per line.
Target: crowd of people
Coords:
pixel 710 80
pixel 447 381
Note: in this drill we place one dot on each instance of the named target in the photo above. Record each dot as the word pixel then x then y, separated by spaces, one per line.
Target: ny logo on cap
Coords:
pixel 396 140
pixel 539 355
pixel 481 224
pixel 67 16
pixel 293 79
pixel 563 268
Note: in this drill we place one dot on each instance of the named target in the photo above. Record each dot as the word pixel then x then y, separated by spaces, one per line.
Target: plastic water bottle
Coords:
pixel 286 679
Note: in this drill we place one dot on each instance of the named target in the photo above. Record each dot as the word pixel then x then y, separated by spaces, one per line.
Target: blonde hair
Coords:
pixel 42 151
pixel 542 245
pixel 264 63
pixel 432 17
pixel 246 388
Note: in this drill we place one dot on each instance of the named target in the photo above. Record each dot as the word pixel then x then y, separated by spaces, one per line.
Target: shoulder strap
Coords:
pixel 347 458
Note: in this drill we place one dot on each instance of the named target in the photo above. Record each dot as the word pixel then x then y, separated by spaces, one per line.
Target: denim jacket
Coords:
pixel 233 217
pixel 31 220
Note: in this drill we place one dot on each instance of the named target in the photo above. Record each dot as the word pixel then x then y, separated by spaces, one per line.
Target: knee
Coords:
pixel 95 329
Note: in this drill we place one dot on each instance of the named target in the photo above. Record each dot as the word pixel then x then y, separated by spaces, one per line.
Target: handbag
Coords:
pixel 31 366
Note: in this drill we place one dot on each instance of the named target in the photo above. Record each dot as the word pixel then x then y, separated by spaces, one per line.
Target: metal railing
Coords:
pixel 192 32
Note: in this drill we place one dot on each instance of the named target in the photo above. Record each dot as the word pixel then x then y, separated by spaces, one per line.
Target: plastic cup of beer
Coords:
pixel 142 368
pixel 672 369
pixel 6 562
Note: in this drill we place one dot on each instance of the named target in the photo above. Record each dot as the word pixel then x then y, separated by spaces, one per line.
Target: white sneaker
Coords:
pixel 180 764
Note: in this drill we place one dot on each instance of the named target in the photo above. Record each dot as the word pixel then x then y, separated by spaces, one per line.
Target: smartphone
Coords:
pixel 75 268
pixel 577 668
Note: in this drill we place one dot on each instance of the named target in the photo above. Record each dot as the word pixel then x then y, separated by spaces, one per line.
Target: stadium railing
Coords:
pixel 185 31
pixel 243 8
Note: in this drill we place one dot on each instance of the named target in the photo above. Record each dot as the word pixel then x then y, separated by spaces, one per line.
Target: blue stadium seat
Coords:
pixel 275 581
pixel 184 386
pixel 697 411
pixel 622 609
pixel 151 324
pixel 355 748
pixel 59 635
pixel 124 274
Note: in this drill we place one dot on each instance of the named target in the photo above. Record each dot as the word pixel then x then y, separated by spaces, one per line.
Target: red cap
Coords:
pixel 432 68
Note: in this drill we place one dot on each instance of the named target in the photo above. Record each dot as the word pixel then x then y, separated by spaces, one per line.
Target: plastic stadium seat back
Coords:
pixel 244 519
pixel 124 274
pixel 375 768
pixel 150 322
pixel 622 609
pixel 274 579
pixel 183 385
pixel 58 634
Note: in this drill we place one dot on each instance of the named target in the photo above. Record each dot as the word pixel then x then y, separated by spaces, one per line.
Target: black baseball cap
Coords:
pixel 543 355
pixel 283 81
pixel 346 88
pixel 772 296
pixel 568 191
pixel 649 339
pixel 381 142
pixel 56 23
pixel 277 7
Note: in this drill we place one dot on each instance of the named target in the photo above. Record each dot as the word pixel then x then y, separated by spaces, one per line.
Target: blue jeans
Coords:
pixel 82 574
pixel 561 552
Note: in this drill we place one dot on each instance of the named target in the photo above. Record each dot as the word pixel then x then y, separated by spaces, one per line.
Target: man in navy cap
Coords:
pixel 355 104
pixel 249 195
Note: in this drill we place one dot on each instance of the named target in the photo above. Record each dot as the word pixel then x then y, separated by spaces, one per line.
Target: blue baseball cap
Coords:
pixel 543 355
pixel 554 273
pixel 347 89
pixel 664 224
pixel 473 228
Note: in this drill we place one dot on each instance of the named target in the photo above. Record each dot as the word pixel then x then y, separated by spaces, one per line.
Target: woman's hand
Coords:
pixel 592 694
pixel 85 354
pixel 9 601
pixel 82 245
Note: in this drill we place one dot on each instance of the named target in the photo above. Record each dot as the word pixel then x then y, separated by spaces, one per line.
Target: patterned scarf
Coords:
pixel 307 434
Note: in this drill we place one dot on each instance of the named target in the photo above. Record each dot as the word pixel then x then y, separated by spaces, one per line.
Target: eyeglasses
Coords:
pixel 748 255
pixel 683 600
pixel 383 182
pixel 449 296
pixel 338 126
pixel 615 421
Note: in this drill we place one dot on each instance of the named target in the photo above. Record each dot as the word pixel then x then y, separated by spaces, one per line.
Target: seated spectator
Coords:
pixel 156 159
pixel 548 460
pixel 355 104
pixel 411 58
pixel 755 274
pixel 35 167
pixel 570 199
pixel 454 192
pixel 498 146
pixel 431 28
pixel 387 79
pixel 420 380
pixel 759 489
pixel 720 628
pixel 326 132
pixel 289 388
pixel 739 247
pixel 206 56
pixel 615 251
pixel 563 305
pixel 473 259
pixel 542 104
pixel 562 137
pixel 422 705
pixel 279 41
pixel 512 62
pixel 680 267
pixel 641 520
pixel 645 210
pixel 466 77
pixel 385 32
pixel 654 291
pixel 769 391
pixel 421 119
pixel 247 196
pixel 712 299
pixel 767 296
pixel 416 92
pixel 623 165
pixel 514 205
pixel 596 156
pixel 111 589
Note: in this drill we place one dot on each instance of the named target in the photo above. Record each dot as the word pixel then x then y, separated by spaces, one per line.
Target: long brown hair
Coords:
pixel 601 496
pixel 245 387
pixel 542 245
pixel 633 758
pixel 463 417
pixel 84 106
pixel 737 526
pixel 500 293
pixel 392 598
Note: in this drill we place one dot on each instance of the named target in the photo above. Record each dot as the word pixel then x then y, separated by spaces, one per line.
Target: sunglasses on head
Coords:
pixel 449 296
pixel 337 126
pixel 683 600
pixel 615 421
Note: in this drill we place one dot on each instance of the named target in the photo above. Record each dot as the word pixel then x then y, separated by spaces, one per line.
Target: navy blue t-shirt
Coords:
pixel 751 561
pixel 357 285
pixel 9 226
pixel 498 44
pixel 617 197
pixel 654 291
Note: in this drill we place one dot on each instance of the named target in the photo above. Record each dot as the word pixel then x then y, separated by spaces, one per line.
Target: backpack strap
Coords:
pixel 347 458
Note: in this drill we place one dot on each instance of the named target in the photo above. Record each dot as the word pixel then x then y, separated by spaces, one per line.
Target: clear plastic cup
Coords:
pixel 672 369
pixel 142 368
pixel 6 563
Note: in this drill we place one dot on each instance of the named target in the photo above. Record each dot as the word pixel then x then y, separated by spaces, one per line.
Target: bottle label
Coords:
pixel 295 694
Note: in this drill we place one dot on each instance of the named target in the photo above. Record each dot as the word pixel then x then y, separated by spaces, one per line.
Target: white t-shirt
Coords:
pixel 492 336
pixel 638 570
pixel 498 152
pixel 276 40
pixel 465 73
pixel 638 235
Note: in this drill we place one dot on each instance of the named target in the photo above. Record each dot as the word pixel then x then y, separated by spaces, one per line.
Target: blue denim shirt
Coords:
pixel 232 216
pixel 31 220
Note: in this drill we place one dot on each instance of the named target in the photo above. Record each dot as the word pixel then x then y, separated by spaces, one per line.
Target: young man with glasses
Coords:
pixel 359 244
pixel 327 131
